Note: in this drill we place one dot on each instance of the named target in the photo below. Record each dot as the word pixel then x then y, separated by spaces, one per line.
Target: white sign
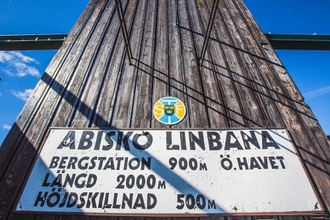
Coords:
pixel 165 172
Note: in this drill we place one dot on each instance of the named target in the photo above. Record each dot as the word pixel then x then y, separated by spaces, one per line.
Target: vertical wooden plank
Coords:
pixel 123 108
pixel 254 111
pixel 176 71
pixel 196 102
pixel 117 65
pixel 91 73
pixel 161 63
pixel 213 96
pixel 256 68
pixel 72 74
pixel 143 97
pixel 104 73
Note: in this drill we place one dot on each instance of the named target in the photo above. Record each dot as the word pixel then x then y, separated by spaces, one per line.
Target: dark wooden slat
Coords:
pixel 115 82
pixel 123 109
pixel 223 111
pixel 196 102
pixel 143 95
pixel 89 89
pixel 256 70
pixel 161 65
pixel 176 70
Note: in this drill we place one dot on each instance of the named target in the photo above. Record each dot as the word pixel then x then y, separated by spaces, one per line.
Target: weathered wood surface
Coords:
pixel 89 83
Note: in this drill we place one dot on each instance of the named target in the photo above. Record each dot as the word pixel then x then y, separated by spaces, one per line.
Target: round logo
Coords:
pixel 169 110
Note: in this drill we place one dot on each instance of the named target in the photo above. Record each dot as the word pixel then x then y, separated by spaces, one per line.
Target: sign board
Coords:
pixel 168 172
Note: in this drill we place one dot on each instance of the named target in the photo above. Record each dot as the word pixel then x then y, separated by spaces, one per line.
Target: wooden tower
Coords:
pixel 245 133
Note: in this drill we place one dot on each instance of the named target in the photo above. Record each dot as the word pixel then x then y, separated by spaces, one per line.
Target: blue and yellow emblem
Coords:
pixel 169 110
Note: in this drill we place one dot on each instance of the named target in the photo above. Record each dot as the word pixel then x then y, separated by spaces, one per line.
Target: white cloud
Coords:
pixel 22 70
pixel 5 56
pixel 17 64
pixel 23 95
pixel 317 92
pixel 6 127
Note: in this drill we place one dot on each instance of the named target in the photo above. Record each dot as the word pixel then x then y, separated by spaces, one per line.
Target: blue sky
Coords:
pixel 21 70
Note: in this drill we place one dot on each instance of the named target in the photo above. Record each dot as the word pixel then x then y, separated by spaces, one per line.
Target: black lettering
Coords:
pixel 134 163
pixel 211 204
pixel 109 164
pixel 57 181
pixel 86 140
pixel 200 201
pixel 62 204
pixel 106 203
pixel 127 200
pixel 91 181
pixel 263 162
pixel 41 198
pixel 72 200
pixel 180 200
pixel 130 181
pixel 139 202
pixel 115 205
pixel 119 159
pixel 268 141
pixel 78 183
pixel 151 201
pixel 183 141
pixel 250 139
pixel 254 163
pixel 53 199
pixel 101 159
pixel 169 145
pixel 45 182
pixel 229 144
pixel 62 163
pixel 202 166
pixel 109 140
pixel 69 180
pixel 196 140
pixel 190 201
pixel 125 163
pixel 139 146
pixel 54 162
pixel 72 163
pixel 91 200
pixel 242 164
pixel 82 165
pixel 98 140
pixel 123 141
pixel 101 200
pixel 93 164
pixel 151 181
pixel 273 162
pixel 214 140
pixel 120 179
pixel 82 200
pixel 68 140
